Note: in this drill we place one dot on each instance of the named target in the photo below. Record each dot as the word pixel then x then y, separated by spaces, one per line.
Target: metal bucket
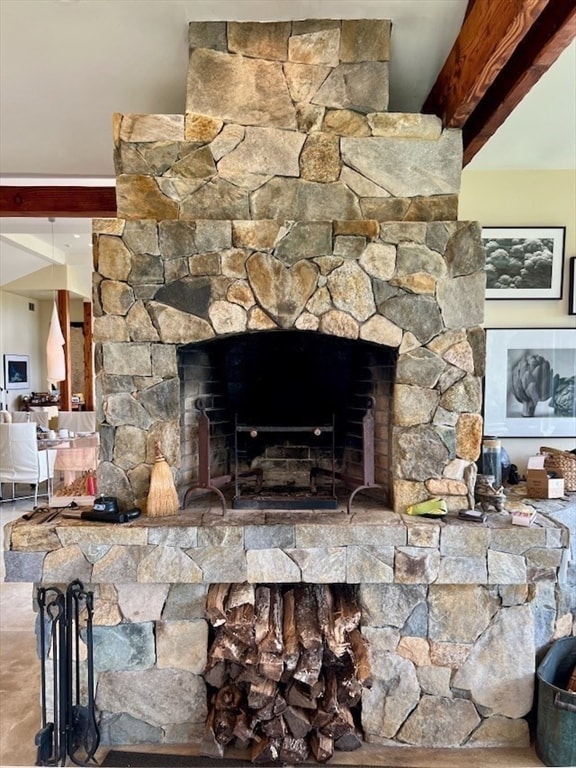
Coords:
pixel 556 723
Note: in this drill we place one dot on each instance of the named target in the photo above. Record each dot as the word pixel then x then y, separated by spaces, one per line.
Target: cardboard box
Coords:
pixel 539 485
pixel 523 517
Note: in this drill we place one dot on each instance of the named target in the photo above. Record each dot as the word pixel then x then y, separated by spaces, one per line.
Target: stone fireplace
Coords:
pixel 288 255
pixel 287 224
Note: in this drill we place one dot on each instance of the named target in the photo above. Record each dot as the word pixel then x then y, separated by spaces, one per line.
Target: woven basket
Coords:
pixel 561 461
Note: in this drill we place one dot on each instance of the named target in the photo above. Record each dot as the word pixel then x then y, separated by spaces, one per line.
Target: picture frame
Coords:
pixel 572 287
pixel 16 372
pixel 524 262
pixel 530 382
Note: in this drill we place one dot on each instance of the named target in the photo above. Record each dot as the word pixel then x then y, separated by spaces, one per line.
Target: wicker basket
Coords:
pixel 561 461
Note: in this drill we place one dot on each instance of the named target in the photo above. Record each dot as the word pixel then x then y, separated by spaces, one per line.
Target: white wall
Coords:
pixel 525 198
pixel 21 334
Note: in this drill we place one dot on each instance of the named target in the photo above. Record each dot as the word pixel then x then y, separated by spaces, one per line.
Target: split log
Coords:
pixel 251 657
pixel 243 729
pixel 341 723
pixel 330 702
pixel 298 695
pixel 306 611
pixel 271 666
pixel 289 635
pixel 322 747
pixel 224 722
pixel 266 750
pixel 361 657
pixel 321 719
pixel 272 708
pixel 294 750
pixel 261 693
pixel 215 601
pixel 240 623
pixel 240 594
pixel 318 688
pixel 275 728
pixel 349 741
pixel 298 722
pixel 227 648
pixel 309 665
pixel 228 697
pixel 346 615
pixel 325 603
pixel 234 669
pixel 261 613
pixel 349 688
pixel 272 642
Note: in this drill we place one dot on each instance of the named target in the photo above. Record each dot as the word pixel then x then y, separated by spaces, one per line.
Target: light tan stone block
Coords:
pixel 202 128
pixel 469 436
pixel 405 125
pixel 415 649
pixel 148 128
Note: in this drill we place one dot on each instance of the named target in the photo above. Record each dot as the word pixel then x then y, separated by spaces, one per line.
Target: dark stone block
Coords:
pixel 188 295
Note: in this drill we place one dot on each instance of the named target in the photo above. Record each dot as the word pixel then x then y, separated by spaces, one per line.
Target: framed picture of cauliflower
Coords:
pixel 524 262
pixel 530 382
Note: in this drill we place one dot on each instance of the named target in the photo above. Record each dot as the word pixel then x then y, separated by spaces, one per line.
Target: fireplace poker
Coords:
pixel 35 511
pixel 83 734
pixel 44 739
pixel 58 510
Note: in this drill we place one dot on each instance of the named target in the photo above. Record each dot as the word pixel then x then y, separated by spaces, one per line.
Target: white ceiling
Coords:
pixel 67 65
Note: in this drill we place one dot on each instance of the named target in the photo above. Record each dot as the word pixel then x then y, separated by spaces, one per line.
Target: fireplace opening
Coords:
pixel 287 665
pixel 295 419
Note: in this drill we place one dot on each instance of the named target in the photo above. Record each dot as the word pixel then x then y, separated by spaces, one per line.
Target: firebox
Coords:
pixel 287 417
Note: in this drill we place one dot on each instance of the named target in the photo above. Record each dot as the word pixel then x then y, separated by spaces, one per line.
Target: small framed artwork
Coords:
pixel 572 287
pixel 530 382
pixel 524 262
pixel 16 372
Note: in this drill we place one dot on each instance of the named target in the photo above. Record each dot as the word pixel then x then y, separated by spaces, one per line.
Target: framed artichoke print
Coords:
pixel 524 262
pixel 530 382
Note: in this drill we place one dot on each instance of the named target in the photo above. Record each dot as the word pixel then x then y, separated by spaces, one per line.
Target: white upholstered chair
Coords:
pixel 21 461
pixel 41 418
pixel 77 421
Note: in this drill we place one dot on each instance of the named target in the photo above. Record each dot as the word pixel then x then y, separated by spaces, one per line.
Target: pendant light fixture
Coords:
pixel 55 359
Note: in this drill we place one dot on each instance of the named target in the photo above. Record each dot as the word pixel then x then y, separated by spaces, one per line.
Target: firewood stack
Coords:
pixel 288 665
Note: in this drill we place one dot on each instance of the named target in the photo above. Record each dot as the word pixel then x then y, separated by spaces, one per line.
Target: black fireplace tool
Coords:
pixel 73 731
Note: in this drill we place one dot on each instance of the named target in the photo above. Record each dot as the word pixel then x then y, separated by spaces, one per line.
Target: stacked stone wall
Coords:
pixel 416 288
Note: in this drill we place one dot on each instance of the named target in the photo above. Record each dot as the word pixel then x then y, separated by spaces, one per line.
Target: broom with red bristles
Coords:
pixel 162 496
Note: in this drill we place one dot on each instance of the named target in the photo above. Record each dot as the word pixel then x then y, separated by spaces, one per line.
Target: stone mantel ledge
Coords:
pixel 369 546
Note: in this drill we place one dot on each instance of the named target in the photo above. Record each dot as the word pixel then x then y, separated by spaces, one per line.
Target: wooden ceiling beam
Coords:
pixel 489 35
pixel 65 202
pixel 503 48
pixel 547 39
